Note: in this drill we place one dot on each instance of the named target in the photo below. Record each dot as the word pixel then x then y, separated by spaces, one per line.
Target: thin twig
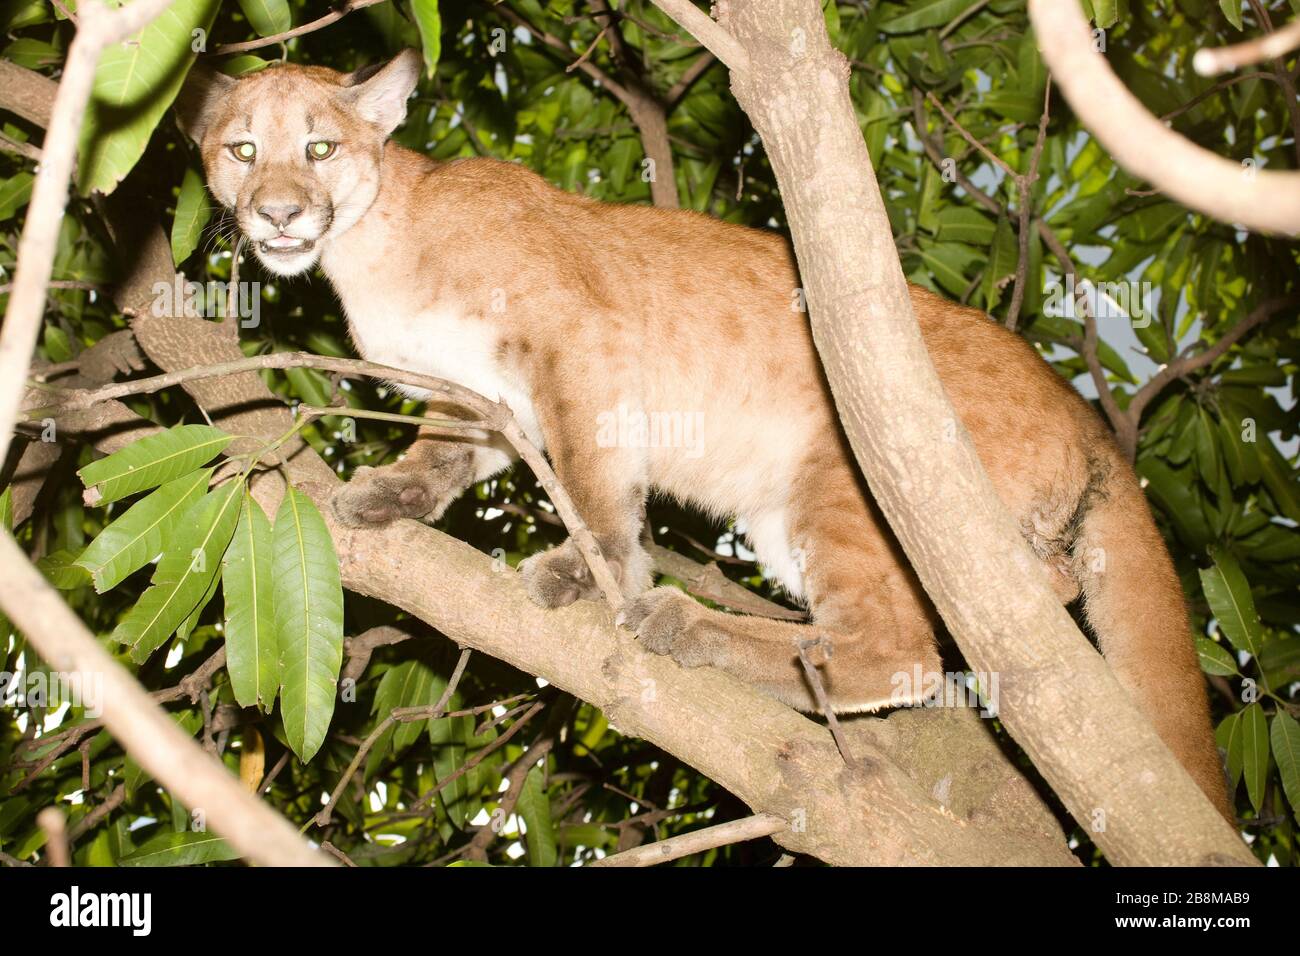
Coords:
pixel 335 852
pixel 819 692
pixel 91 819
pixel 318 24
pixel 1025 185
pixel 1215 60
pixel 698 841
pixel 326 813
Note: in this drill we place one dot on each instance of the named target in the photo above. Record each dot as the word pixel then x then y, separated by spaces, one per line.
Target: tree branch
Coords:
pixel 1140 143
pixel 697 841
pixel 318 24
pixel 1215 60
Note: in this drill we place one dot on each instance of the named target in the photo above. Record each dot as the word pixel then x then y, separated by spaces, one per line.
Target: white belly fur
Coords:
pixel 443 343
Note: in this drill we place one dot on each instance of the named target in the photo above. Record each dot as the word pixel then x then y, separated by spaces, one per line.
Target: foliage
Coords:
pixel 1217 450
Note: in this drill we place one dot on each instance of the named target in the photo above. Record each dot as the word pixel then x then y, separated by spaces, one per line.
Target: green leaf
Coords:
pixel 267 17
pixel 1232 10
pixel 308 600
pixel 448 736
pixel 141 534
pixel 930 13
pixel 430 24
pixel 1230 601
pixel 61 570
pixel 6 526
pixel 964 224
pixel 1004 255
pixel 191 621
pixel 184 575
pixel 58 348
pixel 948 262
pixel 418 686
pixel 1228 738
pixel 192 214
pixel 252 656
pixel 1254 753
pixel 1104 12
pixel 535 809
pixel 153 460
pixel 135 82
pixel 15 193
pixel 1214 659
pixel 180 849
pixel 1285 737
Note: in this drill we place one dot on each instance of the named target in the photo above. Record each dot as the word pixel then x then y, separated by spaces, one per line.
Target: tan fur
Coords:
pixel 481 272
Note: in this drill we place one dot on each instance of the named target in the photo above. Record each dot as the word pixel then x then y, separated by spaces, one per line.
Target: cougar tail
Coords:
pixel 1134 604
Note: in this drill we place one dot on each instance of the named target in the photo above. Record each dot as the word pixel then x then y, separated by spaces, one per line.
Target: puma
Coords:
pixel 573 311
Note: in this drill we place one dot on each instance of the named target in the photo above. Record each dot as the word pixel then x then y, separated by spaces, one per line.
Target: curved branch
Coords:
pixel 317 24
pixel 1141 144
pixel 1215 60
pixel 1185 364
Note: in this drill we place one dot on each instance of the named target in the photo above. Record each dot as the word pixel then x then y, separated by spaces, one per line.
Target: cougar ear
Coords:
pixel 202 94
pixel 379 94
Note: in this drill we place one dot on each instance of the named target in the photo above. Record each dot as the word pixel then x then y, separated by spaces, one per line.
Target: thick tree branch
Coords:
pixel 1140 143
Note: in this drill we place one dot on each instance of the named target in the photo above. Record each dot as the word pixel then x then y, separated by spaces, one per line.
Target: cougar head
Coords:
pixel 296 151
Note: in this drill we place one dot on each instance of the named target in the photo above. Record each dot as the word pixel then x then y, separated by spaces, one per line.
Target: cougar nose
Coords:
pixel 280 215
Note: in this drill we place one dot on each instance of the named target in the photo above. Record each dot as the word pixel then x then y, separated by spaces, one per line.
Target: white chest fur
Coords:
pixel 442 342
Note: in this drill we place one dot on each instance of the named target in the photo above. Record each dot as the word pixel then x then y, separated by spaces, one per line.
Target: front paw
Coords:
pixel 558 577
pixel 378 496
pixel 669 622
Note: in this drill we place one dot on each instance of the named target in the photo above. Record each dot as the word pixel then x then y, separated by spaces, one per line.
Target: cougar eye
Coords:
pixel 321 149
pixel 244 152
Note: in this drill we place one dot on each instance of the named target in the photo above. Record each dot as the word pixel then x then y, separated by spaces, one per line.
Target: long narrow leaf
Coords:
pixel 535 808
pixel 184 575
pixel 1228 594
pixel 1285 737
pixel 308 621
pixel 251 652
pixel 181 849
pixel 151 461
pixel 1254 753
pixel 135 82
pixel 139 535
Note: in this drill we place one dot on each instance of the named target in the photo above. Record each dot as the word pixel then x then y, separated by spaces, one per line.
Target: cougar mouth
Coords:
pixel 285 245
